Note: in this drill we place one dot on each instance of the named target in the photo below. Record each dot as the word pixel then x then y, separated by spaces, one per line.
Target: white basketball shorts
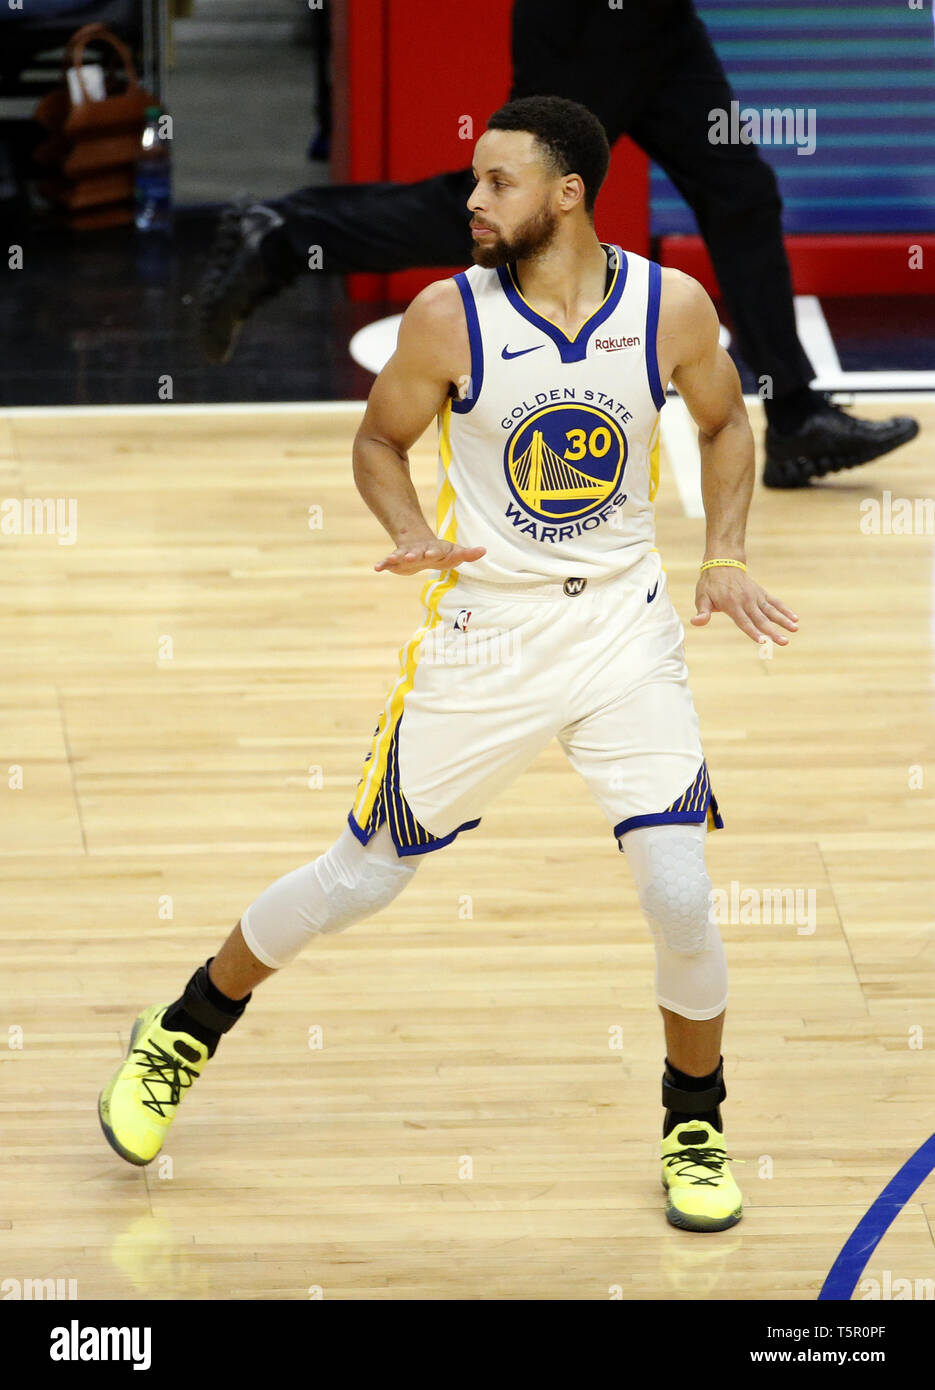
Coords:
pixel 495 672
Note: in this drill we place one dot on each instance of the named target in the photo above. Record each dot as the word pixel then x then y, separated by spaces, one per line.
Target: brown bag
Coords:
pixel 92 147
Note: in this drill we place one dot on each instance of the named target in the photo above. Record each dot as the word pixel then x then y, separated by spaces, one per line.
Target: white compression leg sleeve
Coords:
pixel 347 883
pixel 667 862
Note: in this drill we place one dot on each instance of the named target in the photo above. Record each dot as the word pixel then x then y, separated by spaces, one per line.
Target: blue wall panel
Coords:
pixel 868 70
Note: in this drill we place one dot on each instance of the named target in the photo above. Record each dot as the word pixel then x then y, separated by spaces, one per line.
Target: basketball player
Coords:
pixel 546 364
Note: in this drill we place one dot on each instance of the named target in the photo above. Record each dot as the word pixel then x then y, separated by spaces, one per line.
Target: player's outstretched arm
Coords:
pixel 708 383
pixel 411 389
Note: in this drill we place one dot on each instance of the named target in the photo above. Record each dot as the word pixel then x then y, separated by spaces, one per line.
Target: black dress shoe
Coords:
pixel 236 278
pixel 829 440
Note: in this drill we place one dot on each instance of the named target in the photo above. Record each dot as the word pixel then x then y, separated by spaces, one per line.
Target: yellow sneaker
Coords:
pixel 702 1195
pixel 138 1105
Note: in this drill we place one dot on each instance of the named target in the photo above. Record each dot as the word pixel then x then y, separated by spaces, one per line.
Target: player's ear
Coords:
pixel 572 190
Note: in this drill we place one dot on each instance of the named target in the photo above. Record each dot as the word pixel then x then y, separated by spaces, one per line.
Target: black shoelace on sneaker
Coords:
pixel 163 1069
pixel 711 1158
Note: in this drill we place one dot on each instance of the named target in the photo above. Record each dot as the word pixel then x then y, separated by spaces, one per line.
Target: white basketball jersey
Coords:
pixel 550 459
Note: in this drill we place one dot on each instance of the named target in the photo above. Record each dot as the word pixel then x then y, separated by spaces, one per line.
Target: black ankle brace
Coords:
pixel 693 1102
pixel 202 1001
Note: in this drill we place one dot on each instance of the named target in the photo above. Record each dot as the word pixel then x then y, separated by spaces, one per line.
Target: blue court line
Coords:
pixel 873 1226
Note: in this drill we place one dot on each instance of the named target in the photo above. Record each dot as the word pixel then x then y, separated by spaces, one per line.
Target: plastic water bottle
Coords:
pixel 154 176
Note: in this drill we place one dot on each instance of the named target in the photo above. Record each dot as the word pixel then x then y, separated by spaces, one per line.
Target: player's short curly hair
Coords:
pixel 572 136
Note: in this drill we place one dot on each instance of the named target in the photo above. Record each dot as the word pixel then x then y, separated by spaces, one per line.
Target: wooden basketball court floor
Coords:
pixel 460 1098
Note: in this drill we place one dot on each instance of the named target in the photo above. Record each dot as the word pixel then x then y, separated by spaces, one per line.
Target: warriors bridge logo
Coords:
pixel 563 463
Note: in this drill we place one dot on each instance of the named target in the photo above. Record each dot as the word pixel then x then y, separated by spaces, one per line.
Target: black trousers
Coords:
pixel 659 92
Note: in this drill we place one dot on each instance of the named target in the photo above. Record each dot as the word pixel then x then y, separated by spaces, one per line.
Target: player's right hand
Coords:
pixel 430 554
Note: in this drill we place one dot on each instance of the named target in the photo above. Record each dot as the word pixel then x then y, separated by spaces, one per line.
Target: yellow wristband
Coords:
pixel 732 564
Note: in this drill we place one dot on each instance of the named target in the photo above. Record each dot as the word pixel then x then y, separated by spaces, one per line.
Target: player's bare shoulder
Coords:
pixel 434 332
pixel 687 320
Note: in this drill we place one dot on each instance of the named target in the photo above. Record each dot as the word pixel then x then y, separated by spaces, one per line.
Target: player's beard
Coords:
pixel 531 237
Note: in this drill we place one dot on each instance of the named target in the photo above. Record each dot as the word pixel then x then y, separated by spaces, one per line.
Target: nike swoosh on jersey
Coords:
pixel 522 352
pixel 652 593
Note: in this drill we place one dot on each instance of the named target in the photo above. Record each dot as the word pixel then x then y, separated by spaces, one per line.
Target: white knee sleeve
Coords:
pixel 667 862
pixel 347 883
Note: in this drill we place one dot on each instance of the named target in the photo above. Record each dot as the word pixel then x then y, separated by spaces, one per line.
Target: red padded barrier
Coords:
pixel 861 264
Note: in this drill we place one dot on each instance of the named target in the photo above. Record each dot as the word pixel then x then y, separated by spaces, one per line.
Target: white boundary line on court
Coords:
pixel 299 407
pixel 858 395
pixel 875 381
pixel 680 436
pixel 815 336
pixel 26 412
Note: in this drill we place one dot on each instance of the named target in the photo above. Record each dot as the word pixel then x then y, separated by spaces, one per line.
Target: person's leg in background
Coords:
pixel 171 1044
pixel 259 248
pixel 735 198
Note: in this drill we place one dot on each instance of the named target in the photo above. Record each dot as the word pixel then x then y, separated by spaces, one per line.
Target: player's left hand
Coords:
pixel 429 554
pixel 732 591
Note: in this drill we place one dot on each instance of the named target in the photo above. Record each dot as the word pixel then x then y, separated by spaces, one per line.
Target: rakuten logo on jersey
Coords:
pixel 615 344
